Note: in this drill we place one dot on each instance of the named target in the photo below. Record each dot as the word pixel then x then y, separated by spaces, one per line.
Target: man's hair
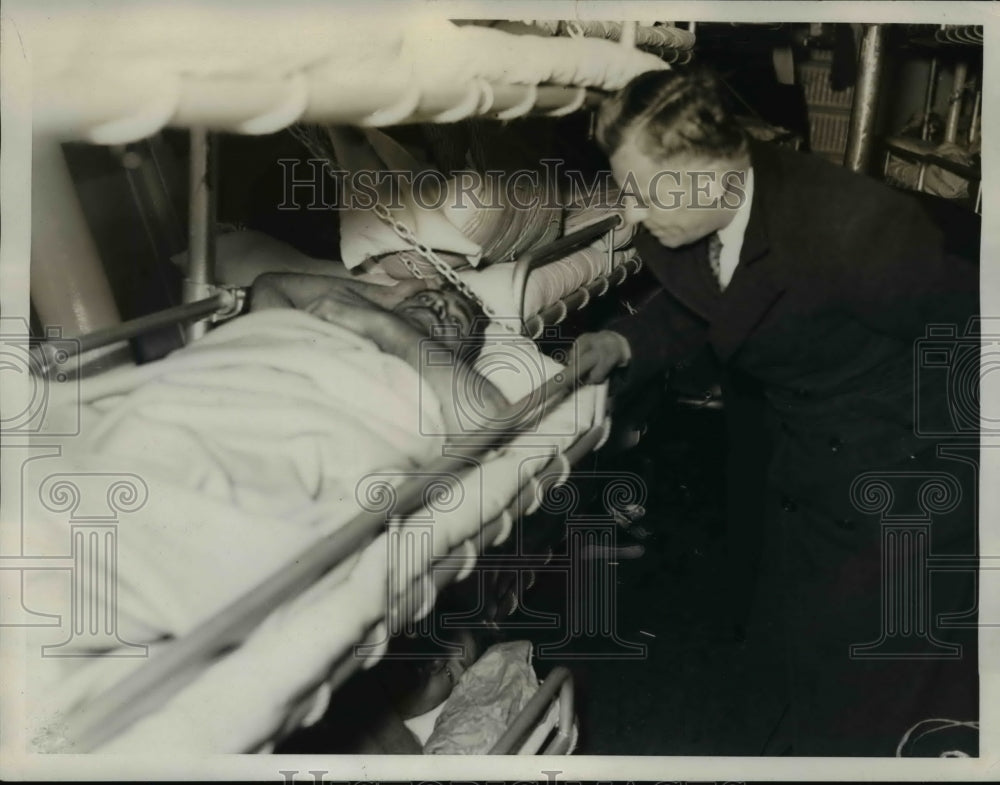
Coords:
pixel 671 112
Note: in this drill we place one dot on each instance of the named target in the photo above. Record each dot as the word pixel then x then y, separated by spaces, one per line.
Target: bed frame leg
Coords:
pixel 861 135
pixel 201 225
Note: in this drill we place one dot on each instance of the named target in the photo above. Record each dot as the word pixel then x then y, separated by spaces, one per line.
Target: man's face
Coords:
pixel 433 308
pixel 679 200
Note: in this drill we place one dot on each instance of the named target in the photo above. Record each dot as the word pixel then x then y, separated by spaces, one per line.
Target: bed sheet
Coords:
pixel 249 445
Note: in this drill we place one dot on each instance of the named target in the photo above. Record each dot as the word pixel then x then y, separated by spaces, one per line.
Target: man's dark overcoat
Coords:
pixel 873 431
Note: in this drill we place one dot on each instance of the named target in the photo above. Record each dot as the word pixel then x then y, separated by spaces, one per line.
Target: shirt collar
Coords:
pixel 732 234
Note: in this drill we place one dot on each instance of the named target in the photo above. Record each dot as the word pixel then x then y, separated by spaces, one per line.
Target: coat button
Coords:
pixel 846 524
pixel 788 504
pixel 835 444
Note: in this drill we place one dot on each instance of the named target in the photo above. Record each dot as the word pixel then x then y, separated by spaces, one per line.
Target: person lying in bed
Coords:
pixel 407 320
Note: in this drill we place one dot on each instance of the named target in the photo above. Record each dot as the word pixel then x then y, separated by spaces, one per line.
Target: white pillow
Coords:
pixel 241 256
pixel 363 235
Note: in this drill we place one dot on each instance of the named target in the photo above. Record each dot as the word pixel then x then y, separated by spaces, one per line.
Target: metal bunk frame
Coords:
pixel 894 149
pixel 148 688
pixel 861 140
pixel 959 36
pixel 252 100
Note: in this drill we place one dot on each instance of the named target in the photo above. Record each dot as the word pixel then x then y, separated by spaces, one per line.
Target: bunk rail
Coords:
pixel 675 42
pixel 152 684
pixel 558 685
pixel 269 90
pixel 223 302
pixel 574 301
pixel 924 155
pixel 558 249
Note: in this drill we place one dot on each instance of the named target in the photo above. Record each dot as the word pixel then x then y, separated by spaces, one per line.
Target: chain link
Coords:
pixel 405 233
pixel 443 268
pixel 410 265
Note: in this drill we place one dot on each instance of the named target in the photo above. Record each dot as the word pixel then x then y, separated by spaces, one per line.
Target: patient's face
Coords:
pixel 447 311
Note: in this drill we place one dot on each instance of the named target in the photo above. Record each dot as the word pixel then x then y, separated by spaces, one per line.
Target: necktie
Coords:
pixel 714 256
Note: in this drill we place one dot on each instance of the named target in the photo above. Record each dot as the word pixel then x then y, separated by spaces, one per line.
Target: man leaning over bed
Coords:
pixel 816 282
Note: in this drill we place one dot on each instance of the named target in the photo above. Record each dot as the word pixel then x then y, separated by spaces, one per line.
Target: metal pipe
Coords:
pixel 201 225
pixel 98 721
pixel 443 570
pixel 955 102
pixel 861 134
pixel 560 745
pixel 929 98
pixel 974 122
pixel 560 681
pixel 133 327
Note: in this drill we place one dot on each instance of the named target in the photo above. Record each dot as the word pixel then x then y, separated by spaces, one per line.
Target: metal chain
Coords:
pixel 410 265
pixel 443 268
pixel 406 234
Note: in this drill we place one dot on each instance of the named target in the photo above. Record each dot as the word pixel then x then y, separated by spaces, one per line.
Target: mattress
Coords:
pixel 222 463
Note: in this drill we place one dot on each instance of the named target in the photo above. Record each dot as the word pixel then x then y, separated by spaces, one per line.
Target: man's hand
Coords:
pixel 596 355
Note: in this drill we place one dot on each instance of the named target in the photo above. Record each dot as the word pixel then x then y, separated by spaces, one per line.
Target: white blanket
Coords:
pixel 250 444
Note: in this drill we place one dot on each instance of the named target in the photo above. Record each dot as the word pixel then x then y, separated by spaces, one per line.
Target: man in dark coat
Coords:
pixel 821 285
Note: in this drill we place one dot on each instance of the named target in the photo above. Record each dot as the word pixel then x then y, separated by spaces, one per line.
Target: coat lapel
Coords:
pixel 756 284
pixel 683 272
